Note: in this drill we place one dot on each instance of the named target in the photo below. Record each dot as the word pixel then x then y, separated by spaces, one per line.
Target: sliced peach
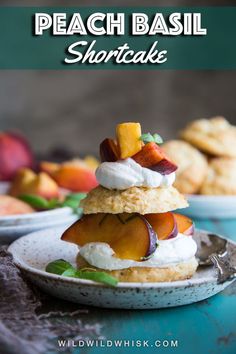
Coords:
pixel 109 150
pixel 49 167
pixel 13 206
pixel 128 139
pixel 75 177
pixel 164 167
pixel 44 186
pixel 91 162
pixel 185 225
pixel 129 237
pixel 21 182
pixel 164 224
pixel 153 157
pixel 150 155
pixel 27 182
pixel 15 153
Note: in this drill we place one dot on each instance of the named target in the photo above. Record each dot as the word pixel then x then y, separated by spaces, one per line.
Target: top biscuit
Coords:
pixel 215 136
pixel 139 200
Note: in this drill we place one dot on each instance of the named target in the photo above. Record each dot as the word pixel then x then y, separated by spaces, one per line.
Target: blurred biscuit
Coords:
pixel 192 165
pixel 221 177
pixel 180 271
pixel 213 136
pixel 133 200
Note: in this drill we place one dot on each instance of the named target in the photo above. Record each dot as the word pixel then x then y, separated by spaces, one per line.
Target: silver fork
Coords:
pixel 225 271
pixel 213 249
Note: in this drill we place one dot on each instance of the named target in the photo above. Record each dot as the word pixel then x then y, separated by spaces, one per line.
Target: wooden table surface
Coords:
pixel 206 327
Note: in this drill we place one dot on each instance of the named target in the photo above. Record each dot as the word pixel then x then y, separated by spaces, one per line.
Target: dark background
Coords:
pixel 75 110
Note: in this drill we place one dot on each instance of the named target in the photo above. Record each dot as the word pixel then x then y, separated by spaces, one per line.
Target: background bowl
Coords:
pixel 14 226
pixel 212 206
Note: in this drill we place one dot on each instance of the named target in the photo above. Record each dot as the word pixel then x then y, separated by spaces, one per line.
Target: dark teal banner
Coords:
pixel 22 49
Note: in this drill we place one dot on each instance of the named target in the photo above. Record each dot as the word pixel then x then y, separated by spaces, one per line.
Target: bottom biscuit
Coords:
pixel 180 271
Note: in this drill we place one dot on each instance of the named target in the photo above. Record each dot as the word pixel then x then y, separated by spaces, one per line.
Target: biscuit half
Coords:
pixel 221 177
pixel 180 271
pixel 213 136
pixel 192 165
pixel 139 200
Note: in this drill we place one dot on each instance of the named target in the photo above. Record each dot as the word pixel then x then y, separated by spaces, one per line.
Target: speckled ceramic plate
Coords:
pixel 47 216
pixel 31 253
pixel 14 226
pixel 211 206
pixel 9 234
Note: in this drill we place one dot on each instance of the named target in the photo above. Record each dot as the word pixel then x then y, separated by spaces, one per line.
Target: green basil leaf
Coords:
pixel 53 203
pixel 100 277
pixel 158 139
pixel 73 200
pixel 35 201
pixel 149 138
pixel 64 268
pixel 76 196
pixel 58 267
pixel 70 203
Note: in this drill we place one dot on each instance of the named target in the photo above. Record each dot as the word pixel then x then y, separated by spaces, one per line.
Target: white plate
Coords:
pixel 213 206
pixel 33 252
pixel 37 217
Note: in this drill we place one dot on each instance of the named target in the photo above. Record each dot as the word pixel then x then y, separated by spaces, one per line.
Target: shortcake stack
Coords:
pixel 128 228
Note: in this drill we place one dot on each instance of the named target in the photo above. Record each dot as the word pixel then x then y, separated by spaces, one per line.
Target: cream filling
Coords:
pixel 169 252
pixel 127 173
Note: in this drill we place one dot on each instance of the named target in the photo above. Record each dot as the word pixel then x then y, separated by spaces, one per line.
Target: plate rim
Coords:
pixel 36 215
pixel 210 198
pixel 121 285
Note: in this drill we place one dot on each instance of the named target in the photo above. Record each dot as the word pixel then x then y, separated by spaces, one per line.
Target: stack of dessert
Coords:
pixel 128 228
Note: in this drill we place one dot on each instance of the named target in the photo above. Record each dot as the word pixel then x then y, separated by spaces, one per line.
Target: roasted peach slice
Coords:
pixel 164 224
pixel 153 157
pixel 28 182
pixel 150 155
pixel 109 151
pixel 184 224
pixel 49 167
pixel 130 236
pixel 13 206
pixel 128 139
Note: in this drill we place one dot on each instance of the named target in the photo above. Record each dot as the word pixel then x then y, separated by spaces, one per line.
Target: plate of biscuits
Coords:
pixel 206 157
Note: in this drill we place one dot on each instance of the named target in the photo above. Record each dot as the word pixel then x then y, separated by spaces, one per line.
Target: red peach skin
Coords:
pixel 15 153
pixel 130 239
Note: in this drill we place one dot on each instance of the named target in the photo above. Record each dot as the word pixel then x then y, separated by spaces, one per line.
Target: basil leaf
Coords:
pixel 73 200
pixel 53 203
pixel 64 268
pixel 158 139
pixel 100 277
pixel 35 201
pixel 58 267
pixel 149 138
pixel 76 196
pixel 70 203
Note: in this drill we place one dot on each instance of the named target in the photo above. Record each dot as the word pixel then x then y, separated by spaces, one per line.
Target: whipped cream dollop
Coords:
pixel 169 252
pixel 127 173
